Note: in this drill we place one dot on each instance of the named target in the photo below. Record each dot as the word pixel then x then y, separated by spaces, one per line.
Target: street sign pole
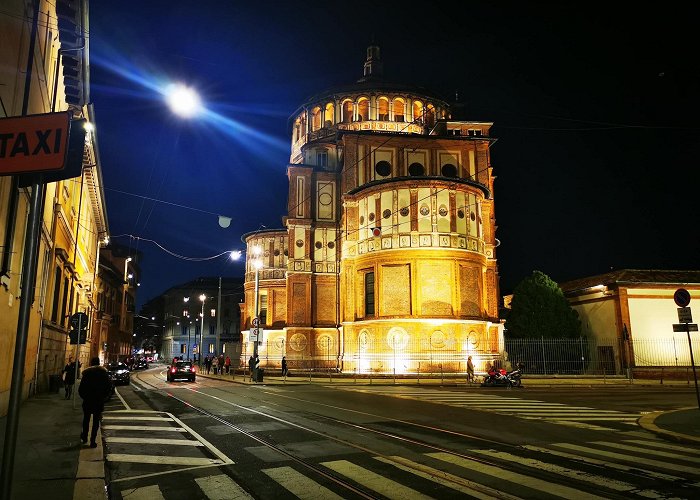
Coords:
pixel 682 299
pixel 692 362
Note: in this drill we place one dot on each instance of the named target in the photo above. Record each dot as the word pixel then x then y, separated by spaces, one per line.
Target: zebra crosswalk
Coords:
pixel 172 442
pixel 653 469
pixel 559 413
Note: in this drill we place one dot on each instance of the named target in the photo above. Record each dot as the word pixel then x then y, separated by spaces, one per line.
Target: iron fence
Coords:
pixel 542 356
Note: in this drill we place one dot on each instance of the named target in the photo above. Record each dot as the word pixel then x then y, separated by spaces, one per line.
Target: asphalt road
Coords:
pixel 218 440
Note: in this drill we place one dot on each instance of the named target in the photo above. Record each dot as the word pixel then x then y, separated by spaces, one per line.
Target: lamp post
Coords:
pixel 257 264
pixel 187 299
pixel 202 297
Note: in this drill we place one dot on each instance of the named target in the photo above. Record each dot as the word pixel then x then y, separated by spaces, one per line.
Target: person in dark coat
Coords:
pixel 284 366
pixel 69 376
pixel 94 389
pixel 251 366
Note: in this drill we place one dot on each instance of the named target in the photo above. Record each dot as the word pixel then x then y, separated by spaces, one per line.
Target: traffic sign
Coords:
pixel 256 322
pixel 79 318
pixel 685 327
pixel 681 297
pixel 685 315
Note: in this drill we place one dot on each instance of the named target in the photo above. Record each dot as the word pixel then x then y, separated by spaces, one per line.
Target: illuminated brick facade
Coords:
pixel 389 247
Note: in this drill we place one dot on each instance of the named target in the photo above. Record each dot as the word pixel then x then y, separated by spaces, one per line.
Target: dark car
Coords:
pixel 181 370
pixel 141 364
pixel 119 373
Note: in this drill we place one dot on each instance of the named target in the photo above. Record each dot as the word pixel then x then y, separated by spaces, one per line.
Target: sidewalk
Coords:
pixel 51 462
pixel 49 456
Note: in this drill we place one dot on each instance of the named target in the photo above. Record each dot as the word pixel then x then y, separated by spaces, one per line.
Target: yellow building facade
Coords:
pixel 387 261
pixel 43 68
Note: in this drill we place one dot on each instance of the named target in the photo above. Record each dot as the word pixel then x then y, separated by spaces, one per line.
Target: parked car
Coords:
pixel 181 370
pixel 119 373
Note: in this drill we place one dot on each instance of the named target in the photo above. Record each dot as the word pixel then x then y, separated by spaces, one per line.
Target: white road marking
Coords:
pixel 122 399
pixel 132 418
pixel 110 427
pixel 151 492
pixel 636 449
pixel 627 458
pixel 160 459
pixel 221 487
pixel 518 479
pixel 665 445
pixel 141 441
pixel 446 479
pixel 604 463
pixel 373 481
pixel 299 485
pixel 578 475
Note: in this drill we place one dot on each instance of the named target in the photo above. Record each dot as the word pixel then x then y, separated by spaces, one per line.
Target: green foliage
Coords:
pixel 539 309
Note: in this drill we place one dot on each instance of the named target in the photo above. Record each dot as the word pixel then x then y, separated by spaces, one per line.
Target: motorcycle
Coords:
pixel 502 378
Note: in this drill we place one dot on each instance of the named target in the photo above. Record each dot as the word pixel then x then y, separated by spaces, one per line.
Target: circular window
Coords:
pixel 386 213
pixel 416 169
pixel 319 244
pixel 442 211
pixel 286 253
pixel 472 216
pixel 424 210
pixel 383 168
pixel 371 217
pixel 300 243
pixel 404 211
pixel 460 213
pixel 277 252
pixel 362 219
pixel 449 170
pixel 331 244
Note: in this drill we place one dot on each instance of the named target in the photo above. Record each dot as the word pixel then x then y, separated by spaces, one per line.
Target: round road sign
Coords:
pixel 256 322
pixel 681 297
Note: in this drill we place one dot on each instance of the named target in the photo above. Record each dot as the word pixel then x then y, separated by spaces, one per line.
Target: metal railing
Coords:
pixel 425 357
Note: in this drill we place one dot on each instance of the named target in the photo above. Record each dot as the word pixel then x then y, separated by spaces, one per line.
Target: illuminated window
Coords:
pixel 183 348
pixel 362 109
pixel 369 294
pixel 383 109
pixel 213 313
pixel 263 308
pixel 211 348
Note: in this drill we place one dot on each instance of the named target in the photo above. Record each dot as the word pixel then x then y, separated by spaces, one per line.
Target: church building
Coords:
pixel 386 261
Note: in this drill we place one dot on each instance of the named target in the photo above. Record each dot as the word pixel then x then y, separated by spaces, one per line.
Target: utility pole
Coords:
pixel 218 320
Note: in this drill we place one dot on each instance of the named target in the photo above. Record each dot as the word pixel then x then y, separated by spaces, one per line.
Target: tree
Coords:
pixel 539 309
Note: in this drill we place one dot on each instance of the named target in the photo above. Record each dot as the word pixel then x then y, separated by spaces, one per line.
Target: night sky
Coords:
pixel 595 111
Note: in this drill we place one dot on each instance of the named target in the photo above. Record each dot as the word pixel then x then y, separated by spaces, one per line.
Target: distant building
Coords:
pixel 635 306
pixel 117 283
pixel 179 312
pixel 387 257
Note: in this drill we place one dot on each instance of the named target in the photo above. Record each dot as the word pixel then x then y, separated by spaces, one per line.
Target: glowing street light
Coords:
pixel 183 101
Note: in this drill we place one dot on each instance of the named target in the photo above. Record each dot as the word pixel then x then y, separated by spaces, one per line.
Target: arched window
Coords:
pixel 347 111
pixel 418 112
pixel 315 118
pixel 297 129
pixel 383 109
pixel 399 110
pixel 362 109
pixel 430 116
pixel 329 118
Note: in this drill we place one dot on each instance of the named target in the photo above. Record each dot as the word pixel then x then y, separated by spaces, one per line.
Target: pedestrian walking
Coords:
pixel 68 375
pixel 215 365
pixel 284 366
pixel 470 370
pixel 207 364
pixel 227 364
pixel 94 389
pixel 251 366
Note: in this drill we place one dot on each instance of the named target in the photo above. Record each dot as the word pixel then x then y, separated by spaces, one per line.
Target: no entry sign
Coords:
pixel 681 297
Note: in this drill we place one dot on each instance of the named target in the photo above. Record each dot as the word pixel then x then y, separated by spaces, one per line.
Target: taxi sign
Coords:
pixel 34 143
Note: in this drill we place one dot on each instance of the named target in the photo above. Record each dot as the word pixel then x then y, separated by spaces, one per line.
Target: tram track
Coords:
pixel 456 482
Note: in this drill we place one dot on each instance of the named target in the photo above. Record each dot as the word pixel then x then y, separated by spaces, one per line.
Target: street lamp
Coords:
pixel 202 297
